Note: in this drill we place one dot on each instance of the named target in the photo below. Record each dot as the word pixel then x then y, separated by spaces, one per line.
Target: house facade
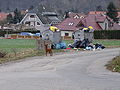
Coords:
pixel 98 21
pixel 68 26
pixel 32 21
pixel 39 21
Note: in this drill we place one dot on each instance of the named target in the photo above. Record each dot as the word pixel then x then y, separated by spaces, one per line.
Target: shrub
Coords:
pixel 107 34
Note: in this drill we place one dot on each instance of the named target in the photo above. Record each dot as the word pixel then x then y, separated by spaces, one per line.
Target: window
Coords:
pixel 38 23
pixel 66 34
pixel 27 22
pixel 76 16
pixel 32 16
pixel 70 24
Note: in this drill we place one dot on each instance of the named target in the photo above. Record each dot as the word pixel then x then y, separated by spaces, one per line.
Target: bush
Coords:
pixel 107 34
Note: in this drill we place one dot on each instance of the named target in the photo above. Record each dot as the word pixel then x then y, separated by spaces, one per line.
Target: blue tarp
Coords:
pixel 61 45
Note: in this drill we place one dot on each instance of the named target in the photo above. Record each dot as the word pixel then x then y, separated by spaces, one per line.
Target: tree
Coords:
pixel 99 8
pixel 31 7
pixel 17 16
pixel 9 18
pixel 66 14
pixel 112 12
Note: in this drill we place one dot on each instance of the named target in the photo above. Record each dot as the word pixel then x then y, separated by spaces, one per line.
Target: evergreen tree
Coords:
pixel 112 12
pixel 66 14
pixel 9 18
pixel 99 8
pixel 17 16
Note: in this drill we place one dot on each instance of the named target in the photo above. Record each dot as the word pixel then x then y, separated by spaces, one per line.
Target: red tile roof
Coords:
pixel 72 15
pixel 97 12
pixel 90 20
pixel 64 25
pixel 3 16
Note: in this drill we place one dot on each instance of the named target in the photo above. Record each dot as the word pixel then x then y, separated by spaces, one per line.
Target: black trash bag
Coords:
pixel 84 43
pixel 99 46
pixel 77 44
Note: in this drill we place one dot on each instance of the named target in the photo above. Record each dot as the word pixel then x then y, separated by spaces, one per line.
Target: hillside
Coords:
pixel 59 5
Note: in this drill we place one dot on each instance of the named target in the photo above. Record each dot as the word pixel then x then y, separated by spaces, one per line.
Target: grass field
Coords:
pixel 21 48
pixel 20 44
pixel 23 44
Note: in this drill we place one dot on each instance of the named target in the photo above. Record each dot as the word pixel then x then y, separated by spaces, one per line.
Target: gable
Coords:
pixel 29 17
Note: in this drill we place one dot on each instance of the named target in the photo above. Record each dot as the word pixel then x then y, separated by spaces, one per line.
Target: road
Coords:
pixel 75 70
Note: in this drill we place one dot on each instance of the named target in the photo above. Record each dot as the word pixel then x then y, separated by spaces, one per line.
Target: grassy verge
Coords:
pixel 108 43
pixel 114 65
pixel 23 54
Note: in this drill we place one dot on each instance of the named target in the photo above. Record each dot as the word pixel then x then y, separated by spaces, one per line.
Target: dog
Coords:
pixel 48 50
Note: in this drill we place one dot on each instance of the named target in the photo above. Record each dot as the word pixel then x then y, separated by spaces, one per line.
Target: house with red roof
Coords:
pixel 98 21
pixel 76 15
pixel 69 25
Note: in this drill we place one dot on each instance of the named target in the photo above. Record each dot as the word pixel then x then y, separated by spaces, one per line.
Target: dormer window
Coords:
pixel 38 23
pixel 32 16
pixel 76 16
pixel 70 24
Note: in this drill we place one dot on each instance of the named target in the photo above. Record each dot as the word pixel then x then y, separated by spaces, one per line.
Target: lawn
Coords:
pixel 21 48
pixel 23 44
pixel 106 43
pixel 20 44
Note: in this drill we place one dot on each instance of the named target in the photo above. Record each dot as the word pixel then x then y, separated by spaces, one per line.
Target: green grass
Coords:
pixel 19 44
pixel 114 65
pixel 106 43
pixel 21 48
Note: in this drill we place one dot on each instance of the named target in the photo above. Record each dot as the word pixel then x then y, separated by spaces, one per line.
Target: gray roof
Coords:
pixel 48 17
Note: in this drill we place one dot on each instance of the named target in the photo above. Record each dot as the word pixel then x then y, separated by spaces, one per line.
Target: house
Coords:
pixel 76 15
pixel 97 21
pixel 50 18
pixel 32 21
pixel 40 21
pixel 69 25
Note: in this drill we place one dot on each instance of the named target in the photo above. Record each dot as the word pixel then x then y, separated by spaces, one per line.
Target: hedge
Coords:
pixel 3 32
pixel 107 34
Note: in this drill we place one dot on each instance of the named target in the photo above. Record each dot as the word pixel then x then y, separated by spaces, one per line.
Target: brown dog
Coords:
pixel 48 50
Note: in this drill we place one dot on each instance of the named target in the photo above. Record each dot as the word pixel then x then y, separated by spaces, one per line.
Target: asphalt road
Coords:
pixel 82 70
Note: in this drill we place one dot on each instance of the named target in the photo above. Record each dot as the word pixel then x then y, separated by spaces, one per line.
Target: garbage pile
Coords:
pixel 86 45
pixel 61 45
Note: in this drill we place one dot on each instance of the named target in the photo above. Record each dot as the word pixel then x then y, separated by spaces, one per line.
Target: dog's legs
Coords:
pixel 51 53
pixel 46 53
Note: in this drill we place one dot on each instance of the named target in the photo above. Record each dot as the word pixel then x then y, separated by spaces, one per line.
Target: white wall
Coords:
pixel 104 25
pixel 63 33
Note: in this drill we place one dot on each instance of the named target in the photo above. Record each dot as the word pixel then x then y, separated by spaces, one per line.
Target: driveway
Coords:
pixel 75 70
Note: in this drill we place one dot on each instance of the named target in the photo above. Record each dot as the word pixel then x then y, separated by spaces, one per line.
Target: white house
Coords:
pixel 40 21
